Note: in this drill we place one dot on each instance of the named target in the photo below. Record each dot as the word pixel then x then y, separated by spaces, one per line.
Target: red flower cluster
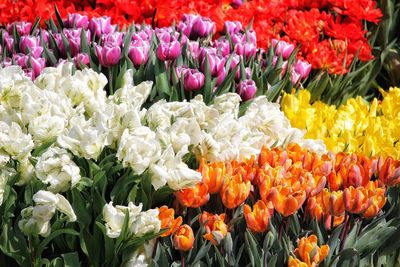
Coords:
pixel 330 32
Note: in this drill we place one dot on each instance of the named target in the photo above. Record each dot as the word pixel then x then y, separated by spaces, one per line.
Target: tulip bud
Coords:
pixel 294 77
pixel 168 51
pixel 101 26
pixel 232 27
pixel 236 3
pixel 77 21
pixel 193 80
pixel 303 68
pixel 356 200
pixel 108 56
pixel 282 48
pixel 217 64
pixel 183 238
pixel 246 89
pixel 139 52
pixel 213 175
pixel 202 27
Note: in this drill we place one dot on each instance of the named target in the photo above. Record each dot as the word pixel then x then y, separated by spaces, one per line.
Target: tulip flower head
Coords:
pixel 193 80
pixel 215 227
pixel 168 50
pixel 257 219
pixel 108 55
pixel 246 89
pixel 309 252
pixel 193 197
pixel 183 238
pixel 234 191
pixel 166 216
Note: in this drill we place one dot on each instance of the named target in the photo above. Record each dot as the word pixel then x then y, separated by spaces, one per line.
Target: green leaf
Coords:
pixel 71 259
pixel 207 84
pixel 348 258
pixel 202 252
pixel 58 16
pixel 13 244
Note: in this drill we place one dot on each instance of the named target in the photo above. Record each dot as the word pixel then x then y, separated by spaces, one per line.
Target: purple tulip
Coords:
pixel 194 49
pixel 295 76
pixel 246 89
pixel 30 74
pixel 101 26
pixel 186 24
pixel 139 52
pixel 112 39
pixel 142 35
pixel 81 58
pixel 221 76
pixel 282 48
pixel 250 36
pixel 283 66
pixel 217 64
pixel 193 80
pixel 9 41
pixel 303 68
pixel 202 27
pixel 232 27
pixel 28 62
pixel 223 46
pixel 245 49
pixel 77 21
pixel 166 35
pixel 236 3
pixel 23 28
pixel 206 51
pixel 247 70
pixel 108 55
pixel 168 51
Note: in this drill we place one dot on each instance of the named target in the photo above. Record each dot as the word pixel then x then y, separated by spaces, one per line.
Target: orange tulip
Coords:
pixel 377 197
pixel 183 238
pixel 389 171
pixel 337 220
pixel 166 216
pixel 356 200
pixel 234 191
pixel 215 227
pixel 314 208
pixel 335 181
pixel 265 182
pixel 257 220
pixel 246 169
pixel 333 202
pixel 356 176
pixel 272 157
pixel 193 197
pixel 309 251
pixel 213 175
pixel 287 200
pixel 293 262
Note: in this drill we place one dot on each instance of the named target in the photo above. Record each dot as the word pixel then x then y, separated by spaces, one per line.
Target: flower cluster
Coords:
pixel 331 33
pixel 182 59
pixel 357 126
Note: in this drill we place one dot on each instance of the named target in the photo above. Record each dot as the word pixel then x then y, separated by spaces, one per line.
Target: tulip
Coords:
pixel 309 251
pixel 168 51
pixel 186 24
pixel 28 43
pixel 265 181
pixel 287 200
pixel 236 3
pixel 234 191
pixel 356 176
pixel 139 52
pixel 101 26
pixel 333 202
pixel 168 221
pixel 303 68
pixel 108 56
pixel 81 58
pixel 245 49
pixel 246 89
pixel 295 77
pixel 193 197
pixel 215 227
pixel 202 27
pixel 193 80
pixel 377 197
pixel 9 42
pixel 356 200
pixel 194 49
pixel 282 48
pixel 232 27
pixel 389 171
pixel 221 76
pixel 213 175
pixel 293 262
pixel 257 220
pixel 112 39
pixel 183 238
pixel 223 47
pixel 77 21
pixel 216 63
pixel 23 28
